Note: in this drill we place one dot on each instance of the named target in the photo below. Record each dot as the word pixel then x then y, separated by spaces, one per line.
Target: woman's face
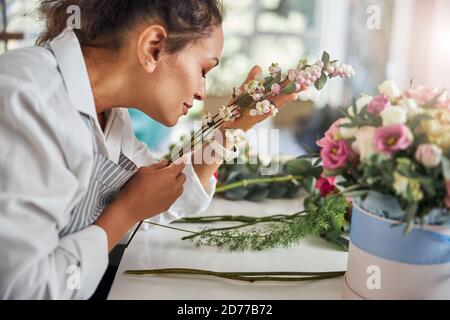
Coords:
pixel 169 91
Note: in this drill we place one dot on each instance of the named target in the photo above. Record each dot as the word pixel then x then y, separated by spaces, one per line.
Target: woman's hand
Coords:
pixel 246 121
pixel 151 191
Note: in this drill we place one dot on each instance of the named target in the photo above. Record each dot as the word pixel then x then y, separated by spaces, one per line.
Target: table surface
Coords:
pixel 160 248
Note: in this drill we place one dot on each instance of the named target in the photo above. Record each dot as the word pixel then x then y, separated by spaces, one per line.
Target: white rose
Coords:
pixel 347 133
pixel 394 115
pixel 411 107
pixel 390 89
pixel 364 144
pixel 360 104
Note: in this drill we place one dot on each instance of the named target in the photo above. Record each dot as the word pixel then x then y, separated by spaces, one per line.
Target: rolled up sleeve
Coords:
pixel 37 192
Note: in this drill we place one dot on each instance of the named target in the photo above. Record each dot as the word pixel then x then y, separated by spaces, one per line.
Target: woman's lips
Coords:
pixel 186 108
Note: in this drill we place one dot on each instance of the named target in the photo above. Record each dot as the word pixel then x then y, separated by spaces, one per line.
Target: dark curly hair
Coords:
pixel 105 23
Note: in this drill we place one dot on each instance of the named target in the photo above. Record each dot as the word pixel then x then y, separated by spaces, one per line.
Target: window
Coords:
pixel 262 32
pixel 19 17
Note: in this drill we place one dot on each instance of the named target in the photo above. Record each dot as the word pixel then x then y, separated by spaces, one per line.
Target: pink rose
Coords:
pixel 430 155
pixel 326 185
pixel 393 138
pixel 378 104
pixel 334 154
pixel 332 133
pixel 425 94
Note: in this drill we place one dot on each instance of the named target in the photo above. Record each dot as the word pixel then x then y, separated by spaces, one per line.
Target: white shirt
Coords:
pixel 45 165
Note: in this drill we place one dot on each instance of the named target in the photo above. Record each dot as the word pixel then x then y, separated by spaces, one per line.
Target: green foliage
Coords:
pixel 247 181
pixel 290 88
pixel 321 82
pixel 323 217
pixel 325 57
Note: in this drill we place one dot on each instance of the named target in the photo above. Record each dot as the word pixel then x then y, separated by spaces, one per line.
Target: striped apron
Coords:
pixel 106 181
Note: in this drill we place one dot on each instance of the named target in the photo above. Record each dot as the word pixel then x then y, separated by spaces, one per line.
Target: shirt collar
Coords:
pixel 67 50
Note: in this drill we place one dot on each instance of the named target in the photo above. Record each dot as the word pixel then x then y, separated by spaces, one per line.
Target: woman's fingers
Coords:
pixel 251 75
pixel 282 99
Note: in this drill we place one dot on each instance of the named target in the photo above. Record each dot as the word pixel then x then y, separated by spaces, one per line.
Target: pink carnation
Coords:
pixel 335 154
pixel 332 133
pixel 326 185
pixel 378 104
pixel 393 138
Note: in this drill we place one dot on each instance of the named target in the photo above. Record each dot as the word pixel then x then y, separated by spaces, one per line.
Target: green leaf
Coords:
pixel 348 125
pixel 317 162
pixel 290 88
pixel 354 107
pixel 343 112
pixel 325 58
pixel 411 212
pixel 321 82
pixel 301 167
pixel 309 184
pixel 277 78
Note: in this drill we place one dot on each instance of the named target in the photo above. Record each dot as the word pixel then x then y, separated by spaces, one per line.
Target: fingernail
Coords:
pixel 181 160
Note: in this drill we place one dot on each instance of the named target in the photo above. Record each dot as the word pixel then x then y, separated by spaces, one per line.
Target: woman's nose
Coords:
pixel 201 93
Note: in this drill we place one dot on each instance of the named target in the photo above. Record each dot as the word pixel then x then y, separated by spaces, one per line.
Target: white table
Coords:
pixel 160 248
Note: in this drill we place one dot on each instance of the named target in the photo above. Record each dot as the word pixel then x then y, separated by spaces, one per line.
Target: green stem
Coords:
pixel 243 102
pixel 252 221
pixel 198 234
pixel 172 228
pixel 228 218
pixel 351 188
pixel 243 276
pixel 246 182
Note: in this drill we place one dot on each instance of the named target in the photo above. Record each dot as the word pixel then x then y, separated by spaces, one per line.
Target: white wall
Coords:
pixel 420 48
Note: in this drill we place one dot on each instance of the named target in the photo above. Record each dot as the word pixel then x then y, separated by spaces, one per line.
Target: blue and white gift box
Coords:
pixel 385 264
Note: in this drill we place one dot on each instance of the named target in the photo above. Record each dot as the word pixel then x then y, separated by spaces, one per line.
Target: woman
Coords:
pixel 74 180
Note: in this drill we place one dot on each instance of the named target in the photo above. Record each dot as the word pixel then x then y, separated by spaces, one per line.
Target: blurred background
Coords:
pixel 402 40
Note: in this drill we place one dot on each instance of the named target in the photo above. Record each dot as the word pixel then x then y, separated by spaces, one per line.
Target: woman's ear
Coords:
pixel 151 44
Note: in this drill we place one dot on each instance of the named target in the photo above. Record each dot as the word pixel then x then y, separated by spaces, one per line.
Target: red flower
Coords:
pixel 216 174
pixel 326 185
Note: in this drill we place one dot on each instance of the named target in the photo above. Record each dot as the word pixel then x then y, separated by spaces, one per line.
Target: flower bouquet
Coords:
pixel 395 148
pixel 324 217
